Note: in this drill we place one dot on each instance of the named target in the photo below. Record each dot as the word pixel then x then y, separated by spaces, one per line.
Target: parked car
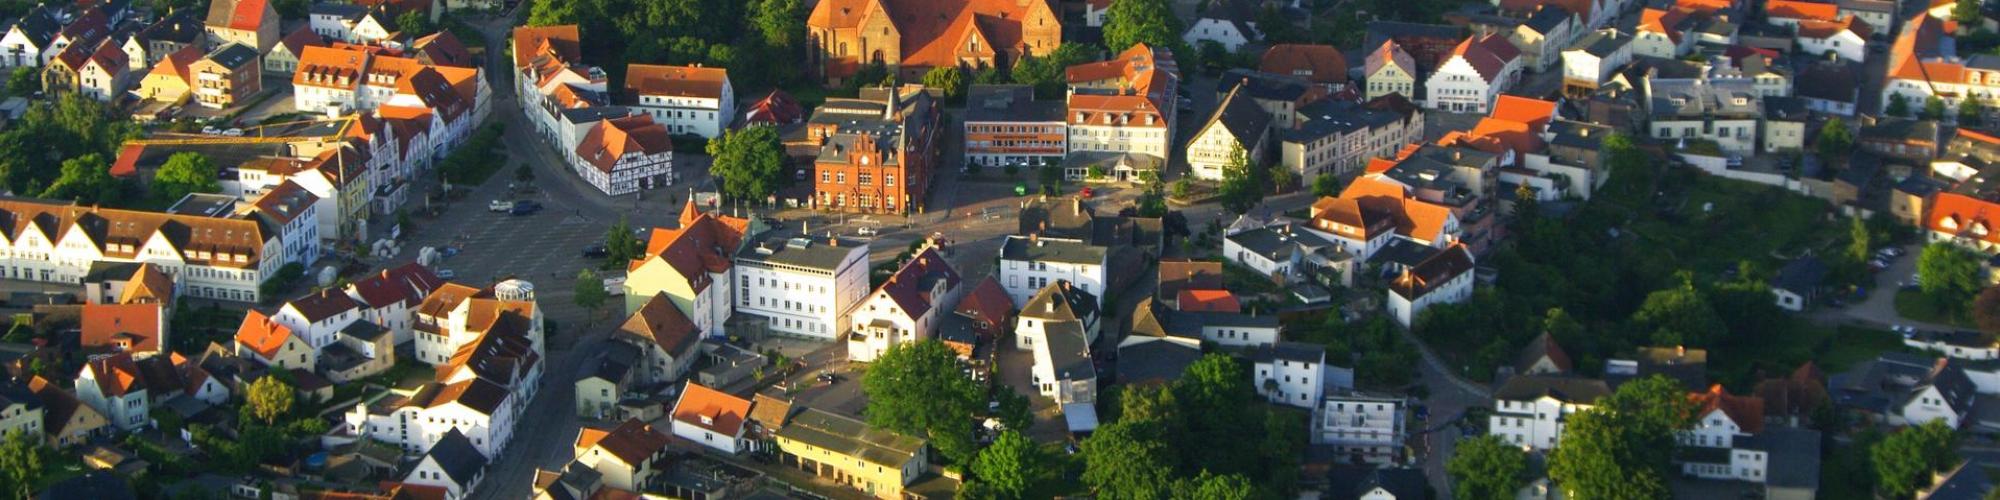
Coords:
pixel 1087 192
pixel 525 207
pixel 446 274
pixel 865 231
pixel 500 205
pixel 597 251
pixel 828 378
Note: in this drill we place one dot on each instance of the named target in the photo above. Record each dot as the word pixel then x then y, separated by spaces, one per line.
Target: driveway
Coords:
pixel 1879 308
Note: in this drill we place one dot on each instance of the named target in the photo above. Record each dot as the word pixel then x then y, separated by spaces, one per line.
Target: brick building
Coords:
pixel 876 152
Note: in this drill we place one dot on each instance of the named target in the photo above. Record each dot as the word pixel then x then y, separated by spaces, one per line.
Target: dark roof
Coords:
pixel 1829 81
pixel 614 362
pixel 234 55
pixel 1901 129
pixel 1155 361
pixel 323 304
pixel 852 438
pixel 366 331
pixel 1548 18
pixel 40 25
pixel 180 27
pixel 94 485
pixel 1379 31
pixel 1401 483
pixel 1403 252
pixel 456 455
pixel 1022 248
pixel 1009 103
pixel 1060 302
pixel 1564 388
pixel 1967 482
pixel 1242 117
pixel 1289 351
pixel 1069 351
pixel 1801 275
pixel 1794 456
pixel 1544 346
pixel 799 251
pixel 1785 108
pixel 1266 86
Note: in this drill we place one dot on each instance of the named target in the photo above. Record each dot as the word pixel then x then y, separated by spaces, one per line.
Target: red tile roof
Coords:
pixel 675 81
pixel 711 409
pixel 261 335
pixel 560 41
pixel 116 374
pixel 1789 9
pixel 1208 301
pixel 1318 63
pixel 632 442
pixel 1534 112
pixel 245 15
pixel 408 284
pixel 613 139
pixel 1814 28
pixel 776 108
pixel 936 32
pixel 1965 216
pixel 1746 411
pixel 662 323
pixel 138 327
pixel 907 287
pixel 987 303
pixel 1487 55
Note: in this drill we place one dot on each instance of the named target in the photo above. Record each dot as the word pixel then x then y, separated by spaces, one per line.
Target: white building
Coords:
pixel 1846 38
pixel 1529 410
pixel 907 308
pixel 1238 126
pixel 1946 395
pixel 1359 425
pixel 1059 325
pixel 220 254
pixel 319 316
pixel 711 418
pixel 390 298
pixel 1290 373
pixel 1339 137
pixel 1924 63
pixel 1229 23
pixel 1444 278
pixel 1723 110
pixel 1663 33
pixel 1124 105
pixel 801 286
pixel 1478 70
pixel 1285 251
pixel 552 80
pixel 1030 263
pixel 1592 59
pixel 688 100
pixel 113 385
pixel 453 464
pixel 1719 446
pixel 29 41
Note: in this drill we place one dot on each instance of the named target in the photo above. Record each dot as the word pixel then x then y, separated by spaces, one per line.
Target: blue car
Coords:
pixel 525 207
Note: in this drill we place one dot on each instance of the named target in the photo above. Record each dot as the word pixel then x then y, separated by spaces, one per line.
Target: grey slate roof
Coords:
pixel 1564 388
pixel 1009 103
pixel 456 455
pixel 1160 360
pixel 1274 243
pixel 1067 251
pixel 798 251
pixel 1241 116
pixel 1333 116
pixel 1548 18
pixel 1829 81
pixel 1602 43
pixel 1060 302
pixel 1968 482
pixel 234 55
pixel 1069 351
pixel 1695 98
pixel 1801 275
pixel 1794 456
pixel 1288 351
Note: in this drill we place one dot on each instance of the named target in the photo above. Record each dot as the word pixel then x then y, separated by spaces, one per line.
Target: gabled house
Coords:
pixel 1474 74
pixel 623 155
pixel 1529 410
pixel 666 340
pixel 227 76
pixel 849 452
pixel 1323 65
pixel 1944 394
pixel 605 380
pixel 913 37
pixel 139 329
pixel 1229 23
pixel 1830 87
pixel 687 100
pixel 66 420
pixel 711 418
pixel 390 298
pixel 1798 284
pixel 906 308
pixel 1059 325
pixel 627 457
pixel 1391 70
pixel 1591 60
pixel 172 78
pixel 112 385
pixel 1125 104
pixel 1238 126
pixel 168 35
pixel 1663 33
pixel 1031 263
pixel 1542 356
pixel 989 309
pixel 692 265
pixel 318 316
pixel 1964 221
pixel 1443 279
pixel 283 59
pixel 453 464
pixel 265 341
pixel 1290 373
pixel 1544 35
pixel 28 42
pixel 1846 38
pixel 1789 13
pixel 253 23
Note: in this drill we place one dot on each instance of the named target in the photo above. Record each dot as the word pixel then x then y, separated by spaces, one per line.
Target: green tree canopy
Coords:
pixel 1950 274
pixel 589 291
pixel 1623 448
pixel 1046 73
pixel 1899 106
pixel 750 163
pixel 948 79
pixel 185 173
pixel 1484 468
pixel 1132 22
pixel 1678 316
pixel 24 81
pixel 21 462
pixel 1933 108
pixel 1971 112
pixel 1966 12
pixel 86 179
pixel 780 22
pixel 1326 185
pixel 1905 460
pixel 1859 240
pixel 1213 487
pixel 1128 461
pixel 269 398
pixel 1243 182
pixel 920 389
pixel 415 23
pixel 621 244
pixel 1835 140
pixel 1015 467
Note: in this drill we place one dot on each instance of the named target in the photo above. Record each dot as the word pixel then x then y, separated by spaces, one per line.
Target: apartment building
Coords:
pixel 1124 105
pixel 687 100
pixel 801 286
pixel 1005 125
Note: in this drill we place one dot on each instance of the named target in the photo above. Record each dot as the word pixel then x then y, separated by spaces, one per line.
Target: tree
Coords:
pixel 21 462
pixel 1045 73
pixel 750 162
pixel 1899 106
pixel 780 22
pixel 1213 487
pixel 1484 468
pixel 1127 460
pixel 1680 315
pixel 589 291
pixel 1181 188
pixel 292 9
pixel 920 389
pixel 1623 448
pixel 949 79
pixel 1016 412
pixel 1986 310
pixel 1132 22
pixel 1971 112
pixel 1859 239
pixel 185 173
pixel 86 179
pixel 1933 108
pixel 1241 187
pixel 554 13
pixel 1835 140
pixel 269 399
pixel 1950 274
pixel 1966 12
pixel 415 23
pixel 524 173
pixel 1282 179
pixel 1326 185
pixel 1905 461
pixel 1014 467
pixel 621 245
pixel 24 81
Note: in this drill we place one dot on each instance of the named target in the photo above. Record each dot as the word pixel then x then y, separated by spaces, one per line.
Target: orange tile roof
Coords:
pixel 1663 21
pixel 1487 55
pixel 1746 411
pixel 1324 63
pixel 1814 28
pixel 1705 6
pixel 1517 136
pixel 148 285
pixel 937 32
pixel 1534 112
pixel 1379 165
pixel 632 441
pixel 1208 301
pixel 676 81
pixel 134 325
pixel 611 140
pixel 532 41
pixel 703 244
pixel 177 64
pixel 711 409
pixel 116 374
pixel 1965 216
pixel 1413 217
pixel 1789 9
pixel 262 335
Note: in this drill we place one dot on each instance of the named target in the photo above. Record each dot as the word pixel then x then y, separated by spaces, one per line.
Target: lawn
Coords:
pixel 1745 361
pixel 1761 224
pixel 1912 304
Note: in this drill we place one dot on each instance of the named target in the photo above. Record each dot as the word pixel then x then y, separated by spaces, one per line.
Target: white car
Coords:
pixel 499 206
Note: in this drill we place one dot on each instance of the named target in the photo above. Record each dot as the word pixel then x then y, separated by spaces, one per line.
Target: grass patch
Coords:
pixel 1914 305
pixel 1851 345
pixel 1745 361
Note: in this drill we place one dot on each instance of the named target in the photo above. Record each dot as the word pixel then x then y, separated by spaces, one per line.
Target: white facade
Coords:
pixel 704 116
pixel 1716 431
pixel 1582 66
pixel 1532 424
pixel 1292 382
pixel 428 472
pixel 201 273
pixel 126 412
pixel 1930 404
pixel 415 429
pixel 1221 31
pixel 804 300
pixel 1405 311
pixel 317 334
pixel 730 444
pixel 1212 148
pixel 1022 278
pixel 1843 43
pixel 19 50
pixel 1457 87
pixel 1360 425
pixel 1152 139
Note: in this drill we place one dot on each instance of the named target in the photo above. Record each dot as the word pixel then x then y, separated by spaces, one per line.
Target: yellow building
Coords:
pixel 847 451
pixel 168 80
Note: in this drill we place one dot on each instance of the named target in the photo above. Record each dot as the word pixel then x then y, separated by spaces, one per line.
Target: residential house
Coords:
pixel 1229 23
pixel 1725 111
pixel 1529 410
pixel 249 22
pixel 1362 427
pixel 1290 373
pixel 1428 45
pixel 105 75
pixel 1798 284
pixel 21 411
pixel 1830 87
pixel 220 257
pixel 1029 264
pixel 227 76
pixel 283 59
pixel 1391 70
pixel 665 341
pixel 1339 137
pixel 1125 104
pixel 711 418
pixel 453 464
pixel 877 153
pixel 1443 279
pixel 1790 13
pixel 1059 325
pixel 1475 73
pixel 1542 38
pixel 1846 39
pixel 139 329
pixel 129 283
pixel 913 37
pixel 66 420
pixel 390 298
pixel 800 286
pixel 318 316
pixel 1964 220
pixel 1924 63
pixel 1900 138
pixel 1592 60
pixel 1289 254
pixel 1280 96
pixel 1322 65
pixel 1907 389
pixel 1730 441
pixel 1006 125
pixel 1152 321
pixel 170 34
pixel 1880 15
pixel 606 380
pixel 553 82
pixel 685 262
pixel 623 155
pixel 113 386
pixel 1239 130
pixel 1664 33
pixel 628 457
pixel 688 100
pixel 906 308
pixel 847 451
pixel 172 77
pixel 271 343
pixel 28 42
pixel 989 309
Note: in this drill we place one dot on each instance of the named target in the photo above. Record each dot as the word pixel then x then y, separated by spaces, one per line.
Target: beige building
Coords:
pixel 847 451
pixel 1390 70
pixel 65 419
pixel 248 22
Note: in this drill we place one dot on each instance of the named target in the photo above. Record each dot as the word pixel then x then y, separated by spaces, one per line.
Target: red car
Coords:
pixel 1087 192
